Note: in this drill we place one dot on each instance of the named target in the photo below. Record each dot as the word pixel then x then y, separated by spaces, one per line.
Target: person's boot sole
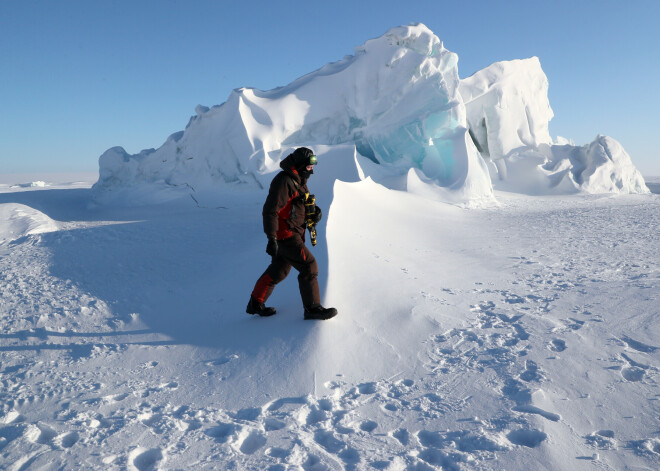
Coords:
pixel 260 314
pixel 320 317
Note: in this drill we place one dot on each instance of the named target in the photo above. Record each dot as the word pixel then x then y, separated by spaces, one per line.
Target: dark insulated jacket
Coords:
pixel 284 209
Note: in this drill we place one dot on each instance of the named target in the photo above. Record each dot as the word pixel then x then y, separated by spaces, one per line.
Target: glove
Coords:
pixel 317 215
pixel 271 248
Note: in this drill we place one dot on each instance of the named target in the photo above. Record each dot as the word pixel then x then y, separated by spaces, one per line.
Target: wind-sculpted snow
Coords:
pixel 17 221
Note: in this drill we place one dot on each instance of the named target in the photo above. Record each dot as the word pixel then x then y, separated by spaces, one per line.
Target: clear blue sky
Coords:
pixel 78 77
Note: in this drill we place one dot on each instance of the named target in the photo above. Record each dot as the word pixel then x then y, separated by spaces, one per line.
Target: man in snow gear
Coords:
pixel 286 215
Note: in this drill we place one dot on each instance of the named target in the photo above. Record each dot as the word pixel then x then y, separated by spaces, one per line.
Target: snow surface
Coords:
pixel 519 336
pixel 400 102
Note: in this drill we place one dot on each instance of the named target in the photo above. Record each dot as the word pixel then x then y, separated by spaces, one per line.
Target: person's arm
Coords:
pixel 278 197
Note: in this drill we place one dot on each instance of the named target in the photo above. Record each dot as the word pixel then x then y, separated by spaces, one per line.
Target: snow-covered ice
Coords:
pixel 519 336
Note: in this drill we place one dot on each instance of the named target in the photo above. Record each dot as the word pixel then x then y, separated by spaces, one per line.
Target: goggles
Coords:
pixel 313 160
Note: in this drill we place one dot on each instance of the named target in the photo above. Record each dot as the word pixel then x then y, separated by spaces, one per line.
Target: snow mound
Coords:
pixel 18 220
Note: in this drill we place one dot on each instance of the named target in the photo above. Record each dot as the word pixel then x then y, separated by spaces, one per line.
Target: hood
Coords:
pixel 288 165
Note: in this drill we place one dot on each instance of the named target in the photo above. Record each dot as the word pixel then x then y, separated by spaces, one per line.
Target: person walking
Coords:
pixel 285 221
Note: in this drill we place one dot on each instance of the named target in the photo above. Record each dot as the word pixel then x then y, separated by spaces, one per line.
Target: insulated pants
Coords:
pixel 291 252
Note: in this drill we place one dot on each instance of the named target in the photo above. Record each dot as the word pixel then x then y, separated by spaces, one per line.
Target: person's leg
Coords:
pixel 298 255
pixel 276 272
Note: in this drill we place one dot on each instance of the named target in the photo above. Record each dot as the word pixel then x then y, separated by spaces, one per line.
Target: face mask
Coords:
pixel 306 173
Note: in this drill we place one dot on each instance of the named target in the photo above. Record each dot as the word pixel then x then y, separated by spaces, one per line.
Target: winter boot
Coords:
pixel 318 312
pixel 255 307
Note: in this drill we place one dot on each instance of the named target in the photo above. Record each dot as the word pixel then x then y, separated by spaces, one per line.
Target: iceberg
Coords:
pixel 508 113
pixel 507 109
pixel 603 166
pixel 398 101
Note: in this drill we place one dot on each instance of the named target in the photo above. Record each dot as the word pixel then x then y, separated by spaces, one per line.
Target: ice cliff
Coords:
pixel 400 102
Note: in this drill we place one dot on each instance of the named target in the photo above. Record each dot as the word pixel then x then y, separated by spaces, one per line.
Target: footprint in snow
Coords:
pixel 10 433
pixel 367 388
pixel 66 440
pixel 327 439
pixel 222 432
pixel 250 414
pixel 532 372
pixel 285 403
pixel 390 407
pixel 272 424
pixel 522 396
pixel 521 333
pixel 528 438
pixel 368 426
pixel 511 298
pixel 402 435
pixel 650 446
pixel 574 324
pixel 463 440
pixel 142 459
pixel 557 345
pixel 151 420
pixel 41 433
pixel 430 439
pixel 635 371
pixel 278 453
pixel 311 414
pixel 633 374
pixel 639 346
pixel 249 441
pixel 603 439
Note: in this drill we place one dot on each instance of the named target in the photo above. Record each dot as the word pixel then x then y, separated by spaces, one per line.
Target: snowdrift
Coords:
pixel 18 220
pixel 399 101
